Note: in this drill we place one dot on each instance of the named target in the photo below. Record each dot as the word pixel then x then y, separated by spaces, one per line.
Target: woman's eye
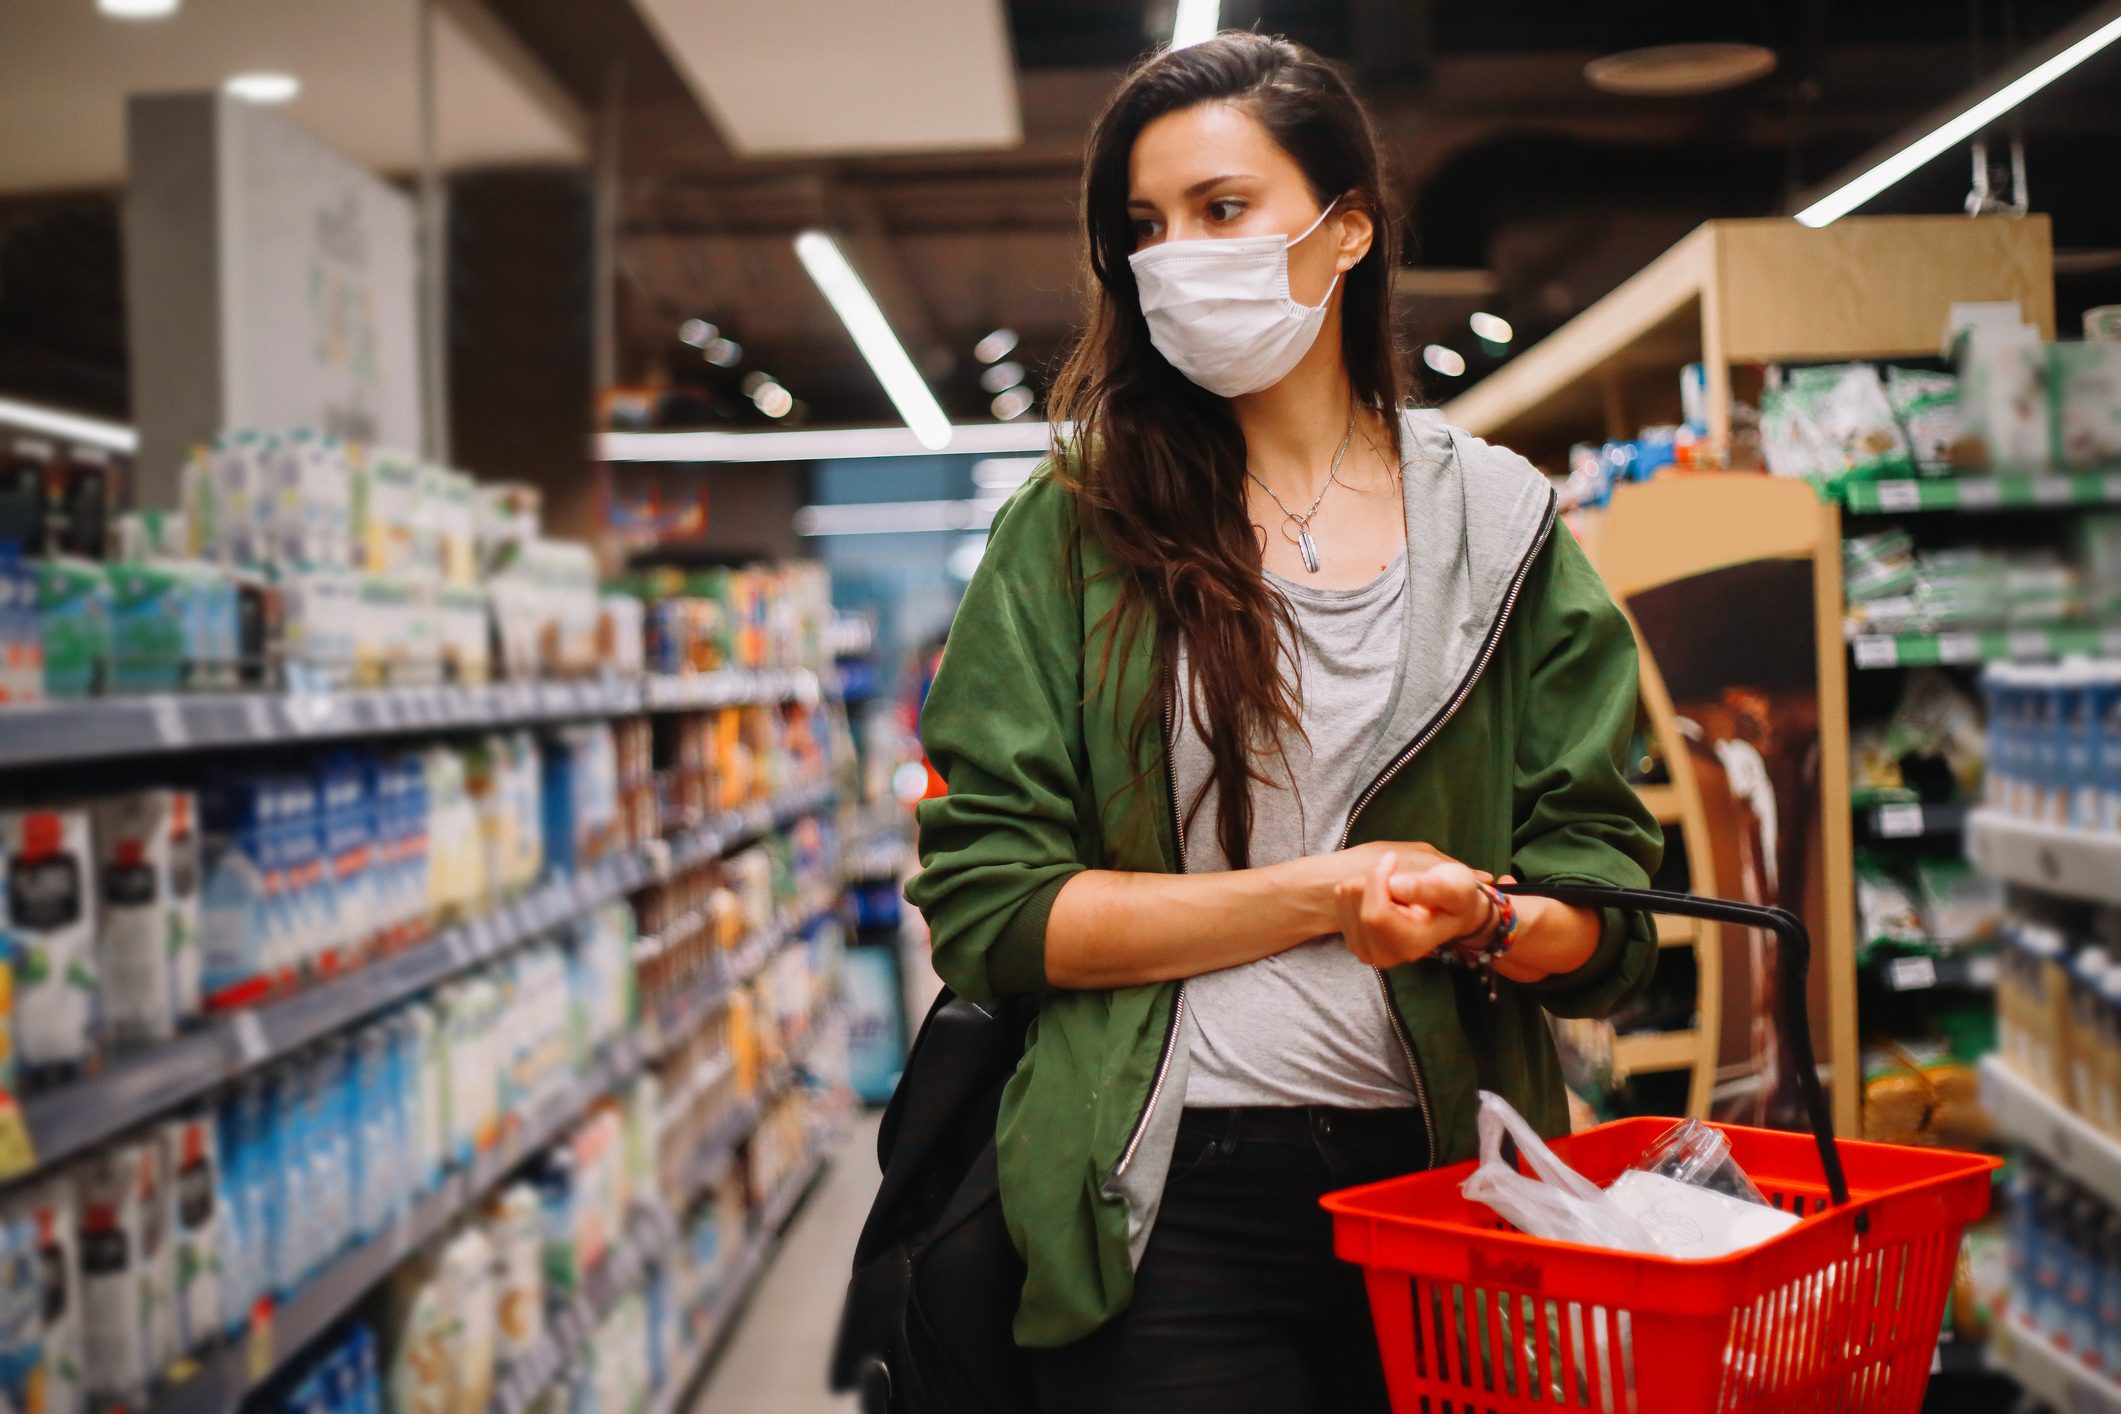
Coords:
pixel 1228 209
pixel 1146 229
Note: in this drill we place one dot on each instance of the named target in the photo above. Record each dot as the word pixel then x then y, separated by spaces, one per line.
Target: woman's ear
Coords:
pixel 1357 230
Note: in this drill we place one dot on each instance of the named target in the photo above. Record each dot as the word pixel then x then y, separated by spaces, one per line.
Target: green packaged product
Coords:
pixel 73 615
pixel 1878 566
pixel 2084 404
pixel 1831 423
pixel 1926 405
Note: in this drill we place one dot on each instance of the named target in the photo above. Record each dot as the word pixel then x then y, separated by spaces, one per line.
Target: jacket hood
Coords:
pixel 1476 515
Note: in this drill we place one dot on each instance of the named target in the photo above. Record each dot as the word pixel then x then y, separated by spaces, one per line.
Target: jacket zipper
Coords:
pixel 1384 777
pixel 1178 999
pixel 1393 767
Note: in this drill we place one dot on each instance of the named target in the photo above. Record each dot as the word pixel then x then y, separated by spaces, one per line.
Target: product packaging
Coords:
pixel 190 1156
pixel 519 1266
pixel 2003 380
pixel 73 608
pixel 423 1332
pixel 244 888
pixel 2084 399
pixel 51 926
pixel 128 1270
pixel 49 1208
pixel 21 630
pixel 21 1335
pixel 147 948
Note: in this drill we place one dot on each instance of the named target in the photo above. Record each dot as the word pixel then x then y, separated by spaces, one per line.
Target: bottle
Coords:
pixel 2022 1236
pixel 2109 1303
pixel 2081 1263
pixel 2045 1260
pixel 2088 972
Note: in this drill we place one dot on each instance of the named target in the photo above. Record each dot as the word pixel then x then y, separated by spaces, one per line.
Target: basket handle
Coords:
pixel 1793 953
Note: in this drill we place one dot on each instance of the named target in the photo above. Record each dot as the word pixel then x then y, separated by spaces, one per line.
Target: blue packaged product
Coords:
pixel 374 1154
pixel 242 1230
pixel 21 1315
pixel 2104 692
pixel 2045 1260
pixel 306 925
pixel 2080 1283
pixel 2023 1234
pixel 2109 1315
pixel 293 1206
pixel 241 880
pixel 331 1148
pixel 348 833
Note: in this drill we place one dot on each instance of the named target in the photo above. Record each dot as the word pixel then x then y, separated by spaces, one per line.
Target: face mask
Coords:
pixel 1220 310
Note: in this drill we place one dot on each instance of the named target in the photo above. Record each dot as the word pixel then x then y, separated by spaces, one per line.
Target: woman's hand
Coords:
pixel 1402 909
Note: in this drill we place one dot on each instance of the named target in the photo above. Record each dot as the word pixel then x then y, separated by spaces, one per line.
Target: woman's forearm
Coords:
pixel 1114 929
pixel 1551 937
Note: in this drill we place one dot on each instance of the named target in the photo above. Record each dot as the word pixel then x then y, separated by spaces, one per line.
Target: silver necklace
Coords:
pixel 1305 545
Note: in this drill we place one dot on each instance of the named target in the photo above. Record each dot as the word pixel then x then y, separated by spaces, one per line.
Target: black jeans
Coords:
pixel 1239 1303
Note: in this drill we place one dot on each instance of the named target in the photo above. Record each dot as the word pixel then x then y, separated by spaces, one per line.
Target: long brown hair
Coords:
pixel 1157 463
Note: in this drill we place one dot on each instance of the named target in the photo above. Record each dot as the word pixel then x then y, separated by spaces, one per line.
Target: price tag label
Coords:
pixel 387 710
pixel 18 1152
pixel 258 718
pixel 1911 974
pixel 1984 971
pixel 1979 493
pixel 1899 495
pixel 249 1033
pixel 1899 822
pixel 2052 491
pixel 1958 648
pixel 2027 643
pixel 2110 486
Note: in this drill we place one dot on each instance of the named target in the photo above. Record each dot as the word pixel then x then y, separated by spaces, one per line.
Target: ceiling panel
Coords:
pixel 829 77
pixel 65 71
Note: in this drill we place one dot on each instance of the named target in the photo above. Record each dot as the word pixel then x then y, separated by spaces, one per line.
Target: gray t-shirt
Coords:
pixel 1308 1026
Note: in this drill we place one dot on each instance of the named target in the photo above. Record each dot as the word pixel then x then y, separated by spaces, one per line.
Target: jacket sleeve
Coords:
pixel 1575 817
pixel 1003 727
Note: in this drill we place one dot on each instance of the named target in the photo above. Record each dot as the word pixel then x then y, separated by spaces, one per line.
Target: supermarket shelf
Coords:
pixel 570 1330
pixel 102 728
pixel 712 1330
pixel 736 828
pixel 2050 1375
pixel 1930 650
pixel 66 1120
pixel 2036 1119
pixel 227 1375
pixel 734 968
pixel 1646 1052
pixel 2073 863
pixel 1912 821
pixel 1984 493
pixel 1976 972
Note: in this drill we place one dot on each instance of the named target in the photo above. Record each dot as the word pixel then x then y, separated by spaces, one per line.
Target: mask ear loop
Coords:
pixel 1331 285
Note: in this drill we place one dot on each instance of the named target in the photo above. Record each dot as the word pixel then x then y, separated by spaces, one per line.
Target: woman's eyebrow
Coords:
pixel 1195 190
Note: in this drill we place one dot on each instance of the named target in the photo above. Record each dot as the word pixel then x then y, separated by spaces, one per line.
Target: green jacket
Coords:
pixel 1516 698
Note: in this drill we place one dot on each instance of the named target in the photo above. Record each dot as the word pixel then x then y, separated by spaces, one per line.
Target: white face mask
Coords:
pixel 1220 310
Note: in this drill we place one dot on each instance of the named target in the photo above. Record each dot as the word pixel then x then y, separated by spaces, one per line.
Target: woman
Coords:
pixel 1254 692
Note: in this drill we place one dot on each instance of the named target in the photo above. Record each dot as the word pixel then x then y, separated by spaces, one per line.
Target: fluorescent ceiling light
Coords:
pixel 1449 362
pixel 1492 327
pixel 137 9
pixel 886 356
pixel 1196 20
pixel 897 517
pixel 1863 187
pixel 994 345
pixel 821 444
pixel 72 427
pixel 263 87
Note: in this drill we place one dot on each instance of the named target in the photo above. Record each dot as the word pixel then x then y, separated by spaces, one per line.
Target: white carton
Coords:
pixel 51 920
pixel 190 1155
pixel 147 940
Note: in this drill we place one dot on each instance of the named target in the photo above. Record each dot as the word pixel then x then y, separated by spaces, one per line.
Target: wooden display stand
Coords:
pixel 1731 295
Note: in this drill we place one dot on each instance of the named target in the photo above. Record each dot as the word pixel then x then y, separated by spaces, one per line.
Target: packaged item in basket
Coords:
pixel 147 943
pixel 21 1326
pixel 519 1268
pixel 190 1156
pixel 51 926
pixel 2084 397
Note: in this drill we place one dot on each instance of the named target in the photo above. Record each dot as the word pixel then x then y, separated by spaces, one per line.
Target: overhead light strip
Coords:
pixel 816 444
pixel 1867 184
pixel 94 431
pixel 857 309
pixel 1195 21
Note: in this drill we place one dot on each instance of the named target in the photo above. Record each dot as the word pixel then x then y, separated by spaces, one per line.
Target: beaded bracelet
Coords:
pixel 1501 936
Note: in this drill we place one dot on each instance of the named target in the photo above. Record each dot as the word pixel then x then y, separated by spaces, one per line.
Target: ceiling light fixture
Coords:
pixel 1004 473
pixel 772 399
pixel 263 87
pixel 723 353
pixel 1011 403
pixel 698 333
pixel 1001 376
pixel 994 345
pixel 819 444
pixel 1195 21
pixel 1867 184
pixel 1448 362
pixel 1679 70
pixel 90 431
pixel 886 356
pixel 1492 327
pixel 138 9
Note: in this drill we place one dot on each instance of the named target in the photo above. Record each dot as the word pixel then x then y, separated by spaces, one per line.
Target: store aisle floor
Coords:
pixel 775 1363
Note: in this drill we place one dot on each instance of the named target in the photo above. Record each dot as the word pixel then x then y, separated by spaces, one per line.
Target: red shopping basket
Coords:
pixel 1839 1314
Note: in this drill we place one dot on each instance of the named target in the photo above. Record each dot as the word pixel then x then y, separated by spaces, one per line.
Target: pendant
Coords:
pixel 1308 548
